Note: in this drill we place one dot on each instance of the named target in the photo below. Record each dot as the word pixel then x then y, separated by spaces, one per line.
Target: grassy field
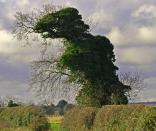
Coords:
pixel 55 126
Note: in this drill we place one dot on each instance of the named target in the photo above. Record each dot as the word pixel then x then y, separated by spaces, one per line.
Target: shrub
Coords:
pixel 79 119
pixel 30 117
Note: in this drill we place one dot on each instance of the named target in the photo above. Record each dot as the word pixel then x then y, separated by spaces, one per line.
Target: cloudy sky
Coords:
pixel 129 24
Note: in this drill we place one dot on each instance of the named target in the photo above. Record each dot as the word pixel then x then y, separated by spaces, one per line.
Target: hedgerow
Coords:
pixel 111 118
pixel 79 119
pixel 30 117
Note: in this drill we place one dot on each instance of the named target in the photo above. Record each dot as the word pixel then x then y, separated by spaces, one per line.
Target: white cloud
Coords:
pixel 68 4
pixel 137 55
pixel 147 34
pixel 7 43
pixel 2 1
pixel 22 3
pixel 133 35
pixel 101 17
pixel 101 21
pixel 145 11
pixel 13 48
pixel 116 36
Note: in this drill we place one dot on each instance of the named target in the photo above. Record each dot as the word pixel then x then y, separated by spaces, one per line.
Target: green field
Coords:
pixel 55 126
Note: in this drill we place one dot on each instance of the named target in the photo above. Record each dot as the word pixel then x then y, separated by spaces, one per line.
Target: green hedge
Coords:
pixel 79 119
pixel 30 117
pixel 112 118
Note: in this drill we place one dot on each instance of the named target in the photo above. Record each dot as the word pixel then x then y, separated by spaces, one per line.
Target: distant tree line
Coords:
pixel 59 109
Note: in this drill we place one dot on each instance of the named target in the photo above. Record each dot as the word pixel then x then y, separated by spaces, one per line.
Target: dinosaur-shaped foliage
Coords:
pixel 90 59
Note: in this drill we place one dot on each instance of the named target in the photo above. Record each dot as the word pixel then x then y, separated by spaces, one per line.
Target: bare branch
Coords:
pixel 25 22
pixel 135 81
pixel 46 79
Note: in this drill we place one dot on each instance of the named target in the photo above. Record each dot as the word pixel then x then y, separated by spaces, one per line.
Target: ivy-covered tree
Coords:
pixel 87 60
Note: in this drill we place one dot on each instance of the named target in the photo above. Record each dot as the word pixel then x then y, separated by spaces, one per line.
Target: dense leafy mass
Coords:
pixel 25 117
pixel 111 118
pixel 88 59
pixel 79 119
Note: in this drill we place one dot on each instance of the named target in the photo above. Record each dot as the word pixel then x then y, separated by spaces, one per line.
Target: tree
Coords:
pixel 87 60
pixel 135 80
pixel 62 103
pixel 12 104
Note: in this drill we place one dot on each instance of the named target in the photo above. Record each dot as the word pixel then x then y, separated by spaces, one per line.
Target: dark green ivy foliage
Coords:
pixel 90 59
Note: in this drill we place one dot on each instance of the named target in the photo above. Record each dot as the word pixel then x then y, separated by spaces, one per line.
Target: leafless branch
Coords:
pixel 46 79
pixel 25 22
pixel 135 81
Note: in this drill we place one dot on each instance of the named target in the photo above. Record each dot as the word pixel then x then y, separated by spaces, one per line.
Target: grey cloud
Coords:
pixel 19 72
pixel 13 88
